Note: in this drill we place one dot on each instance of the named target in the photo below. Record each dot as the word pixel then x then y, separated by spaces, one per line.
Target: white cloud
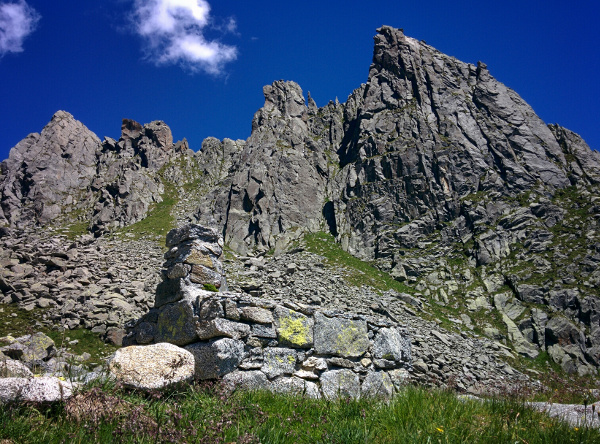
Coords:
pixel 231 25
pixel 173 31
pixel 17 21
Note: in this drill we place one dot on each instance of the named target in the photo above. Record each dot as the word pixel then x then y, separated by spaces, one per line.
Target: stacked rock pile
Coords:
pixel 192 263
pixel 259 343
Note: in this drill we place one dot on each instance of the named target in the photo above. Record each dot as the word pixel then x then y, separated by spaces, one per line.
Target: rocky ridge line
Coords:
pixel 432 170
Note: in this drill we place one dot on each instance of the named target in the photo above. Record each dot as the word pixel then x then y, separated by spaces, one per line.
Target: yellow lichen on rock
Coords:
pixel 293 331
pixel 350 340
pixel 198 258
pixel 293 328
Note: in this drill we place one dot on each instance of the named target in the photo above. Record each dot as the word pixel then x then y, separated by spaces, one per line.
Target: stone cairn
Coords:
pixel 257 343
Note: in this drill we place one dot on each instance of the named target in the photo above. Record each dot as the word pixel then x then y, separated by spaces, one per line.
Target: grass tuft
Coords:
pixel 159 220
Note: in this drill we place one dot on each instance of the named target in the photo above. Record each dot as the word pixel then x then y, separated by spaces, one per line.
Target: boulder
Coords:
pixel 296 386
pixel 279 361
pixel 221 327
pixel 34 347
pixel 560 330
pixel 145 333
pixel 293 328
pixel 151 367
pixel 377 385
pixel 399 377
pixel 192 232
pixel 43 390
pixel 250 380
pixel 256 314
pixel 531 293
pixel 176 324
pixel 342 383
pixel 390 345
pixel 10 368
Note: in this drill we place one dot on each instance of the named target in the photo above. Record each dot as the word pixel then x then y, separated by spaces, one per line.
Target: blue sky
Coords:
pixel 201 68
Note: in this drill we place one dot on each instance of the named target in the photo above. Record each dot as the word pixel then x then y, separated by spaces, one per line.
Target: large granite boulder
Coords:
pixel 11 368
pixel 152 367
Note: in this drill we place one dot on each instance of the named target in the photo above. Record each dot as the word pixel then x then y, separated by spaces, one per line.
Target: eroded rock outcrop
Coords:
pixel 277 184
pixel 66 174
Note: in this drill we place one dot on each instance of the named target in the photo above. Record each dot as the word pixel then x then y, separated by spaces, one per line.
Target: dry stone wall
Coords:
pixel 259 343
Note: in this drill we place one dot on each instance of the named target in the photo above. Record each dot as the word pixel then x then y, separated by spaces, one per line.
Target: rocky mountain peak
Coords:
pixel 65 174
pixel 130 129
pixel 44 171
pixel 284 101
pixel 284 98
pixel 153 142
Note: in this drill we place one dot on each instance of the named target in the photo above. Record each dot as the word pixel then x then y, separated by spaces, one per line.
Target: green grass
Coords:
pixel 159 220
pixel 75 229
pixel 360 272
pixel 24 323
pixel 87 342
pixel 15 321
pixel 206 414
pixel 210 287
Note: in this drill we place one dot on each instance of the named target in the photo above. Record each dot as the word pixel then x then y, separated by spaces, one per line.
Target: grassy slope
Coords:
pixel 17 322
pixel 207 414
pixel 360 272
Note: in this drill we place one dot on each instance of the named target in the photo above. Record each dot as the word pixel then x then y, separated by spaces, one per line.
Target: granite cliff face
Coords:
pixel 277 184
pixel 432 170
pixel 48 170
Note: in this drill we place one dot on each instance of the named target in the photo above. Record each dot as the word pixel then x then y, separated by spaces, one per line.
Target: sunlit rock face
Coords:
pixel 432 170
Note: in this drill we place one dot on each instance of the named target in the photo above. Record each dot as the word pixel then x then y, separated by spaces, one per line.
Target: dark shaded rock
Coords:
pixel 115 336
pixel 216 358
pixel 176 324
pixel 560 331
